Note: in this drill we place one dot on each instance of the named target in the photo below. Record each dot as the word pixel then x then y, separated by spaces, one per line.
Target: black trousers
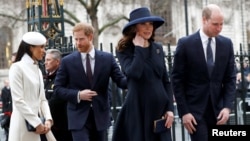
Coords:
pixel 202 128
pixel 89 132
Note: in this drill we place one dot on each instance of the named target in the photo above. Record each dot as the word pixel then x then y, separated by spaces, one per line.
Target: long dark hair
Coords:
pixel 22 49
pixel 128 36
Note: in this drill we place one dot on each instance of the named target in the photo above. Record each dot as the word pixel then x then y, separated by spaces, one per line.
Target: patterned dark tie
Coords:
pixel 210 62
pixel 88 68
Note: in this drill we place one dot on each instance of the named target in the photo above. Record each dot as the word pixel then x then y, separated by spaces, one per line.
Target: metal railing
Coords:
pixel 239 115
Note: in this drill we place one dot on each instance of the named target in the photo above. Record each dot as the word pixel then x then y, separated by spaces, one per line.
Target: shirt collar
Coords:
pixel 204 37
pixel 91 53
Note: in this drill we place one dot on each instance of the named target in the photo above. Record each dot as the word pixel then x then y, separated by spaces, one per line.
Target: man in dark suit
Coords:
pixel 204 84
pixel 83 79
pixel 7 107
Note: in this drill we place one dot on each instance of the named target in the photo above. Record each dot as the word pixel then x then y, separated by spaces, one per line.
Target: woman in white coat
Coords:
pixel 27 89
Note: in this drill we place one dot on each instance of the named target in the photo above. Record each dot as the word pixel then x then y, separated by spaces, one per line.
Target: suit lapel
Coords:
pixel 98 66
pixel 200 52
pixel 219 49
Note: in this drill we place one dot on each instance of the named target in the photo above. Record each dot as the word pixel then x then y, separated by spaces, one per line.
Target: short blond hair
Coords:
pixel 85 27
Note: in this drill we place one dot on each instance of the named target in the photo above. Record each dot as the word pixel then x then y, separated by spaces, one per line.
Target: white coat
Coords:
pixel 27 90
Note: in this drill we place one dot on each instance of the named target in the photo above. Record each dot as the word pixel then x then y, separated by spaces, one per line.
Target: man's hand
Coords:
pixel 223 116
pixel 189 122
pixel 87 95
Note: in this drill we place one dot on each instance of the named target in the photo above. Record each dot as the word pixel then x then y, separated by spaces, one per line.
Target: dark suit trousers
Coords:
pixel 89 131
pixel 202 128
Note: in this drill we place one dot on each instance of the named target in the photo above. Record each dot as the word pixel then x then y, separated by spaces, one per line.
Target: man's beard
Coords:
pixel 83 48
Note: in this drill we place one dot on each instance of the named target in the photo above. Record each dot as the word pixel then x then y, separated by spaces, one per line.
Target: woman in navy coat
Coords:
pixel 149 95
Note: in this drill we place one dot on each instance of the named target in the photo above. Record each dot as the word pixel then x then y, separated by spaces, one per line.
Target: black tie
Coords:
pixel 88 69
pixel 210 62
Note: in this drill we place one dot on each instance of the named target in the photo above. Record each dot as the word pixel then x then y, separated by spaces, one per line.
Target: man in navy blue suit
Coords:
pixel 87 94
pixel 204 87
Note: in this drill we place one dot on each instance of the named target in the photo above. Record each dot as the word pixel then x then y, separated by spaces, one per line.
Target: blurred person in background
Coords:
pixel 6 107
pixel 13 57
pixel 58 106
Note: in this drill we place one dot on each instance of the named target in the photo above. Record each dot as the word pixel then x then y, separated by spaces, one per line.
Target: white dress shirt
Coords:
pixel 204 40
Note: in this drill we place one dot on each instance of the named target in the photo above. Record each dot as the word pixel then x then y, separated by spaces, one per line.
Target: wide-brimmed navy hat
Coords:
pixel 141 15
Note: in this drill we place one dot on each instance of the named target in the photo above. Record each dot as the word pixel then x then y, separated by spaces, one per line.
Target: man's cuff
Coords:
pixel 78 97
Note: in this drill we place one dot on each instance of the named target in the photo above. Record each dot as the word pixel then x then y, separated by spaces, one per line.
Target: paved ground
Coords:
pixel 2 135
pixel 178 134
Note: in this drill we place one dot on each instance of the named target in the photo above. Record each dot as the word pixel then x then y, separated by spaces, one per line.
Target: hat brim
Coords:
pixel 156 20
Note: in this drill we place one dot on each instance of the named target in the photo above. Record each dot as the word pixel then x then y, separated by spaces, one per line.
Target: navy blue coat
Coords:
pixel 191 81
pixel 149 94
pixel 71 78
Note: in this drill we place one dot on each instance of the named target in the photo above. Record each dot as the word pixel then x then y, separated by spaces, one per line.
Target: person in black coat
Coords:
pixel 58 106
pixel 7 107
pixel 149 96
